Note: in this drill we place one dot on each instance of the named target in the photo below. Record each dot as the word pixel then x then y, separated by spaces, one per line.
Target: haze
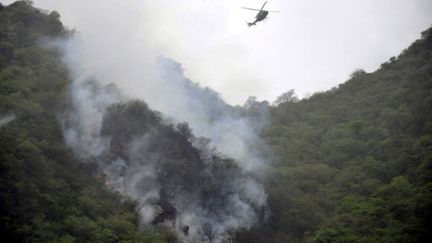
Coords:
pixel 311 46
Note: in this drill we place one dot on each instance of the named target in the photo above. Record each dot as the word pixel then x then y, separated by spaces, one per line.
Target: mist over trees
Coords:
pixel 151 173
pixel 46 193
pixel 354 164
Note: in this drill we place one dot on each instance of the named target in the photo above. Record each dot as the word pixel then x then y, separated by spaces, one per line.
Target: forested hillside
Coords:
pixel 81 163
pixel 354 164
pixel 355 161
pixel 46 194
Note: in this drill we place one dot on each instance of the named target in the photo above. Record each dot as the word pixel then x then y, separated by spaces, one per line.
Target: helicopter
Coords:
pixel 262 14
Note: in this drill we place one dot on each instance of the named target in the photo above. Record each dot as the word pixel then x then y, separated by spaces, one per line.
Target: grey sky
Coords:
pixel 311 46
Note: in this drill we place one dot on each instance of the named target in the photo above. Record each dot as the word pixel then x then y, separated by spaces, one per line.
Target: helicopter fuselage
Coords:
pixel 261 15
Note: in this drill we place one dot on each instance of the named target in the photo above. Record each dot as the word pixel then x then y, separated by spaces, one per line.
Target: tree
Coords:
pixel 287 97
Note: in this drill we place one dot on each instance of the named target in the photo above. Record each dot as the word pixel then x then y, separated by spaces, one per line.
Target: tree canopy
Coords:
pixel 355 161
pixel 46 193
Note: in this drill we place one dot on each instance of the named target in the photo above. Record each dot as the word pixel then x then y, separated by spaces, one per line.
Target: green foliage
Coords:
pixel 355 161
pixel 46 194
pixel 288 96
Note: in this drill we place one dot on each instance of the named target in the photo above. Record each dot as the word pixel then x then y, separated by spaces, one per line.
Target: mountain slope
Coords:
pixel 46 194
pixel 80 162
pixel 355 161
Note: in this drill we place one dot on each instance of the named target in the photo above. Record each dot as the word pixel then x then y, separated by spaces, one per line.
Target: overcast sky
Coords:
pixel 311 46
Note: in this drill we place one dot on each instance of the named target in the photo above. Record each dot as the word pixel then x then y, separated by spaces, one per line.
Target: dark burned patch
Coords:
pixel 187 179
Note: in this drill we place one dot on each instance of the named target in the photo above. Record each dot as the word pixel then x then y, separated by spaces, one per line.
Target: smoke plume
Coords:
pixel 190 160
pixel 6 118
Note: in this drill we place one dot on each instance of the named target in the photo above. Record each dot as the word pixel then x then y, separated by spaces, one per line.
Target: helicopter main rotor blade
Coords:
pixel 251 9
pixel 263 5
pixel 271 11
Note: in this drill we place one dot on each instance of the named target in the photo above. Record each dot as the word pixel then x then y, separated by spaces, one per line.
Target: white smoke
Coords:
pixel 235 204
pixel 6 118
pixel 134 67
pixel 242 199
pixel 83 125
pixel 162 84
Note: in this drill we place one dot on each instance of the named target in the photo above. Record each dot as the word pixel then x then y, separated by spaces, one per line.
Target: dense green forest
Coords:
pixel 46 194
pixel 354 163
